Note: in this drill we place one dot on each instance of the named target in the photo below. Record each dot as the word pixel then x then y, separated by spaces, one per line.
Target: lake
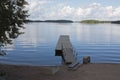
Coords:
pixel 37 45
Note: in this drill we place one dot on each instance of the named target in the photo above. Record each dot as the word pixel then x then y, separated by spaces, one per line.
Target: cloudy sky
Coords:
pixel 74 9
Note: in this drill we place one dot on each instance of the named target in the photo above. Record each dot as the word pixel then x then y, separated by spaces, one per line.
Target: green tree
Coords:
pixel 12 17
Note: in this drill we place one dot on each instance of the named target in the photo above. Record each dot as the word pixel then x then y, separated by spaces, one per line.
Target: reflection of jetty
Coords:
pixel 65 49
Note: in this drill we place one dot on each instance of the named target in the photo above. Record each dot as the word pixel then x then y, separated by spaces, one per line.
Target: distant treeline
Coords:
pixel 53 21
pixel 94 21
pixel 97 21
pixel 116 22
pixel 70 21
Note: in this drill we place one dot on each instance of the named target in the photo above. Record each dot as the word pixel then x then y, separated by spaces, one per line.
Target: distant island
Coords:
pixel 51 21
pixel 98 21
pixel 94 21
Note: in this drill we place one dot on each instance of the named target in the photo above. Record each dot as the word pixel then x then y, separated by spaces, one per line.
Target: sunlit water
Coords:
pixel 37 46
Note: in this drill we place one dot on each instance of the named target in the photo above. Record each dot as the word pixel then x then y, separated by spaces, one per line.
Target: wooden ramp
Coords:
pixel 65 49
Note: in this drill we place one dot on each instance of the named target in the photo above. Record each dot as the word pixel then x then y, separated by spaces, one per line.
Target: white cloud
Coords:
pixel 38 10
pixel 116 12
pixel 95 5
pixel 67 10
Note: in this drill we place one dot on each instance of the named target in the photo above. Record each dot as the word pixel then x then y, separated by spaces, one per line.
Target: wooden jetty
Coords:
pixel 2 53
pixel 65 49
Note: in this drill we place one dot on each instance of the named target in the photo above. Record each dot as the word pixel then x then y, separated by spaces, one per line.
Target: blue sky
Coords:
pixel 78 3
pixel 74 9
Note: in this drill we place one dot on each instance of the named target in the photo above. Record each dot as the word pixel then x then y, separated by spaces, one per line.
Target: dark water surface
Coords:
pixel 36 47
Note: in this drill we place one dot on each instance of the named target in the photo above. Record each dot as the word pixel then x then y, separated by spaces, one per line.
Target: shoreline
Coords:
pixel 97 71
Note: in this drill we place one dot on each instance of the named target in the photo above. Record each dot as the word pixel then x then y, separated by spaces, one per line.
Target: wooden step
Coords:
pixel 74 66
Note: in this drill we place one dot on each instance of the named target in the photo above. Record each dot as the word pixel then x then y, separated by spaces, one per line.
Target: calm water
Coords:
pixel 36 47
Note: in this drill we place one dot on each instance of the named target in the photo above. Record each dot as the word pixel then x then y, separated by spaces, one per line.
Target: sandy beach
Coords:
pixel 84 72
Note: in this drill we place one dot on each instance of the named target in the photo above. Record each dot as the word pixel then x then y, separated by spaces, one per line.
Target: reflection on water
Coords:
pixel 36 46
